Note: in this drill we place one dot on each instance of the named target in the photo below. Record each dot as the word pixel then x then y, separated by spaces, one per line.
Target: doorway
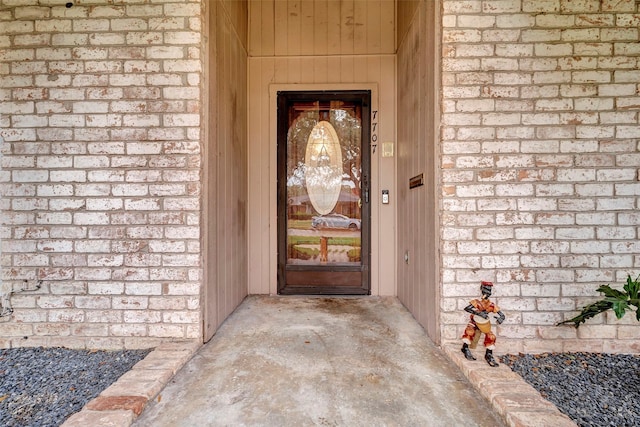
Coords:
pixel 323 192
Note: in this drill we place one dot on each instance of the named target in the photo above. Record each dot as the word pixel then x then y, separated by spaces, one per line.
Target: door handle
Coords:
pixel 366 196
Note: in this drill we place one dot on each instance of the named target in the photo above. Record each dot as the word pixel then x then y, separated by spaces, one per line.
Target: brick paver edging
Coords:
pixel 118 406
pixel 121 403
pixel 511 396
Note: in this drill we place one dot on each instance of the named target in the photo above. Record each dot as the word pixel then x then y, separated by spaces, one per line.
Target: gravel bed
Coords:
pixel 592 389
pixel 44 386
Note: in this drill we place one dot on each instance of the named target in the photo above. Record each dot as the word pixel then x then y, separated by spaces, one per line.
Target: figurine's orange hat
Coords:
pixel 483 283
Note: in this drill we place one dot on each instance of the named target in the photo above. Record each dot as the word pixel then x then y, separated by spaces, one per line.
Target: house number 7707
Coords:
pixel 374 130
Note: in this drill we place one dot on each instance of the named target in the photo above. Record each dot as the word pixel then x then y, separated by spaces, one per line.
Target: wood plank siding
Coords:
pixel 321 27
pixel 226 163
pixel 311 45
pixel 418 239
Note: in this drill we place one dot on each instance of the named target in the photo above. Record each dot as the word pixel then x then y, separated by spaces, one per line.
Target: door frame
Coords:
pixel 340 277
pixel 388 288
pixel 274 88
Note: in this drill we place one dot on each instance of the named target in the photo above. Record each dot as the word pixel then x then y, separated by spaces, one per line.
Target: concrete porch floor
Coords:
pixel 298 361
pixel 319 361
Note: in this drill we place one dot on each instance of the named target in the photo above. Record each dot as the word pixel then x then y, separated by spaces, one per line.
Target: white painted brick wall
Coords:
pixel 540 142
pixel 100 113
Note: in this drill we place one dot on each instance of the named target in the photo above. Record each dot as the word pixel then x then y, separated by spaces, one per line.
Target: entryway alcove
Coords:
pixel 256 49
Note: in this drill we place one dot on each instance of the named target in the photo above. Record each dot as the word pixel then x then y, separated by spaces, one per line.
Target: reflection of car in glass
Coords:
pixel 335 220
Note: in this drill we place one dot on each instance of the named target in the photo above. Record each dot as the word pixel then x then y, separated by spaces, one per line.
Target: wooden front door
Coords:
pixel 323 192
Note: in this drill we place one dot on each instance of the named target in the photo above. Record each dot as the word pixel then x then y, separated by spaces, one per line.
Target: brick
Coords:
pixel 476 21
pixel 618 34
pixel 460 64
pixel 15 81
pixel 52 25
pixel 615 233
pixel 167 23
pixel 116 403
pixel 81 218
pixel 504 78
pixel 101 39
pixel 113 417
pixel 595 20
pixel 555 20
pixel 554 105
pixel 143 10
pixel 141 66
pixel 66 120
pixel 54 218
pixel 617 117
pixel 66 315
pixel 616 89
pixel 579 261
pixel 181 9
pixel 517 331
pixel 129 52
pixel 181 65
pixel 69 39
pixel 128 330
pixel 166 331
pixel 92 53
pixel 627 20
pixel 628 131
pixel 49 107
pixel 28 67
pixel 559 49
pixel 520 50
pixel 580 6
pixel 580 34
pixel 590 247
pixel 541 6
pixel 538 35
pixel 93 302
pixel 111 288
pixel 128 24
pixel 144 38
pixel 127 79
pixel 94 260
pixel 627 103
pixel 181 119
pixel 500 35
pixel 165 52
pixel 141 120
pixel 182 37
pixel 616 62
pixel 618 6
pixel 66 94
pixel 591 77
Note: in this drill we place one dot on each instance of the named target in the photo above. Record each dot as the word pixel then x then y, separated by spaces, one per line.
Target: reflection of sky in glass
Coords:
pixel 339 114
pixel 297 178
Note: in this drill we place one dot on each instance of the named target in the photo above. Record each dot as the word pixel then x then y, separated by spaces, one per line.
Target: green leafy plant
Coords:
pixel 618 301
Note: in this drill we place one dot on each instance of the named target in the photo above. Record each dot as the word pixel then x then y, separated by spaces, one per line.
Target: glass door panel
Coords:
pixel 323 190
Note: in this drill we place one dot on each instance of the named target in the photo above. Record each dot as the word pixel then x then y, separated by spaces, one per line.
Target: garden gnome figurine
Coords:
pixel 479 323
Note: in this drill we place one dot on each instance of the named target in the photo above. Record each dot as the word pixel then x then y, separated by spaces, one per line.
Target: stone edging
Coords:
pixel 121 403
pixel 511 396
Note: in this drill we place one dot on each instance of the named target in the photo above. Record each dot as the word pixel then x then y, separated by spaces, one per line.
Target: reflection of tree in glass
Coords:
pixel 348 128
pixel 297 137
